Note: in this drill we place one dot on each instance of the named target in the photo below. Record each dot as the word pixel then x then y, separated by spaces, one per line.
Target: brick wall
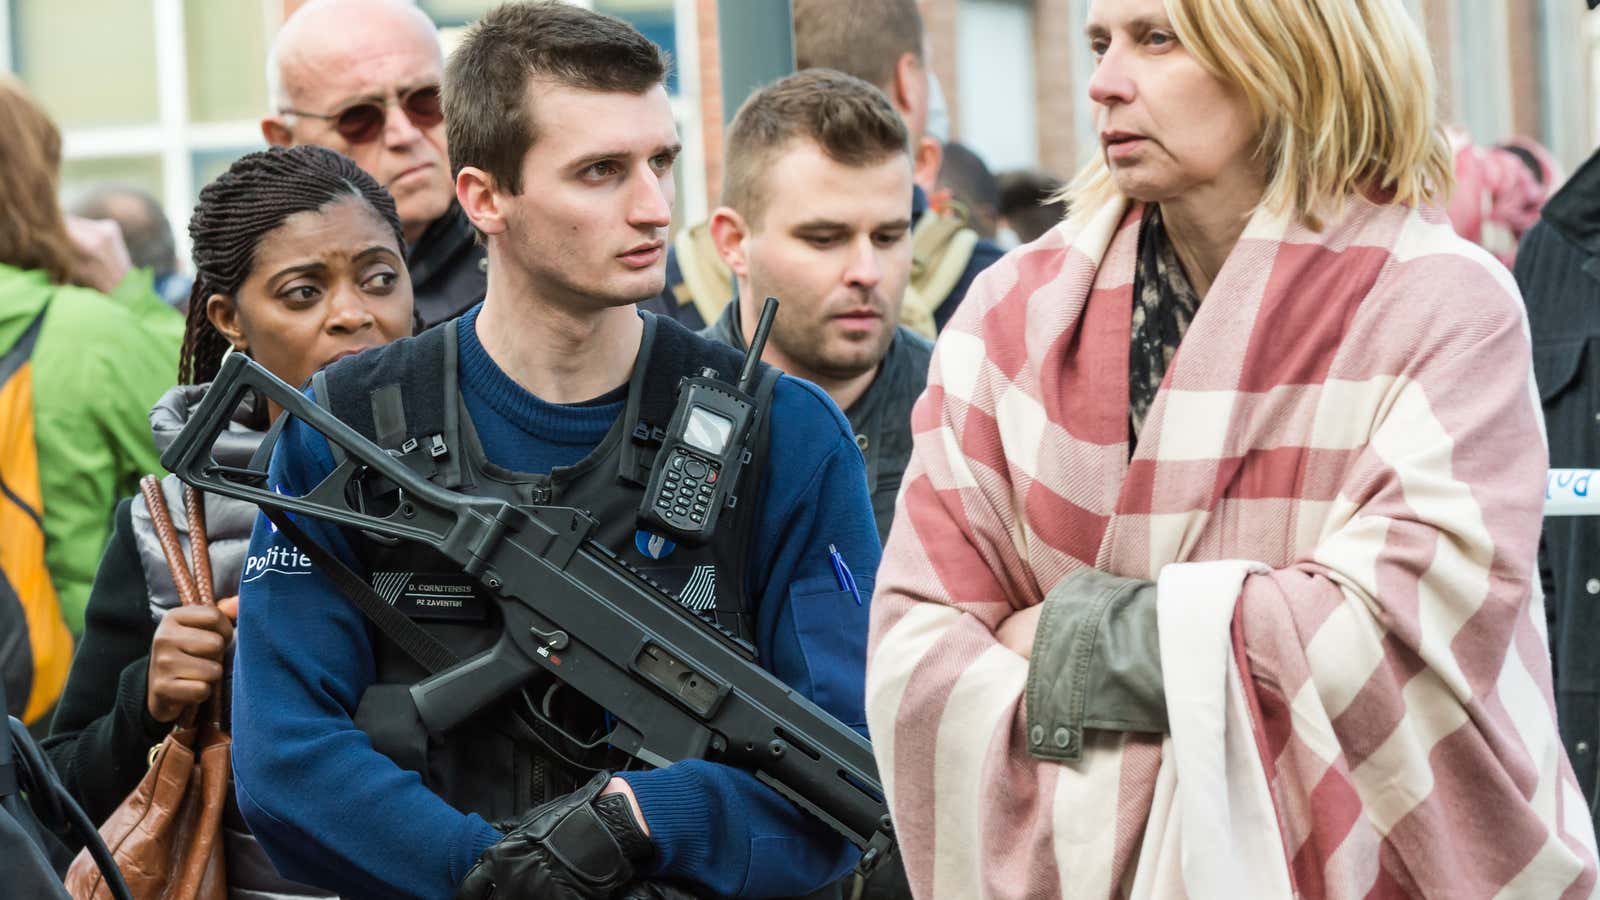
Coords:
pixel 710 97
pixel 1057 37
pixel 1522 36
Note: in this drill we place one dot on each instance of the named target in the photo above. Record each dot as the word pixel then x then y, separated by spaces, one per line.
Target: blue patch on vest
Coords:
pixel 653 545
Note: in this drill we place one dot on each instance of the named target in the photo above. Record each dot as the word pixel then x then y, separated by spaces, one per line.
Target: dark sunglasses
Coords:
pixel 363 122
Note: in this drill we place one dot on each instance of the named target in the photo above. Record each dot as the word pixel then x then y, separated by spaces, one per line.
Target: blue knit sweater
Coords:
pixel 333 812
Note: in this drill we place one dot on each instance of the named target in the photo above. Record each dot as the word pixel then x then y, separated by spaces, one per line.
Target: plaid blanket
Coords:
pixel 1361 709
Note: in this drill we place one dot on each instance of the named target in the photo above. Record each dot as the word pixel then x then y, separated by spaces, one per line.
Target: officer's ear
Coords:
pixel 728 231
pixel 223 313
pixel 476 192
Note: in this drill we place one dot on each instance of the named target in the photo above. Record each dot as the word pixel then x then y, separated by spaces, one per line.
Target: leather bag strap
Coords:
pixel 194 588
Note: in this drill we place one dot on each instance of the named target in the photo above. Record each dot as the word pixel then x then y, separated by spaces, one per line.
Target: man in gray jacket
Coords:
pixel 816 196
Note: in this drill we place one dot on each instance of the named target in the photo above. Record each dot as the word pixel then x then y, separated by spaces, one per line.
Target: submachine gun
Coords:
pixel 678 686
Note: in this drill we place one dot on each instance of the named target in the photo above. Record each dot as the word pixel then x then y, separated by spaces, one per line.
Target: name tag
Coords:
pixel 444 596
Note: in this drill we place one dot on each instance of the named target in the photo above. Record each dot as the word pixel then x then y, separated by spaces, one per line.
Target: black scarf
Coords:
pixel 1164 303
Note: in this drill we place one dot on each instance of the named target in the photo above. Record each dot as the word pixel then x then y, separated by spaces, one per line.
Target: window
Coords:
pixel 144 92
pixel 655 19
pixel 1484 103
pixel 143 172
pixel 88 63
pixel 165 94
pixel 994 59
pixel 225 43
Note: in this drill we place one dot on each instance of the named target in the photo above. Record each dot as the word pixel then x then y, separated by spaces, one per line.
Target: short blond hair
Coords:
pixel 851 121
pixel 1343 94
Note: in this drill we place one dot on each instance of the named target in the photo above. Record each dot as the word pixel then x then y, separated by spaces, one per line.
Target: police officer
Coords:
pixel 554 390
pixel 814 195
pixel 881 43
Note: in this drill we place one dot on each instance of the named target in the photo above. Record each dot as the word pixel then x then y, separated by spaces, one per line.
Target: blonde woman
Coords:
pixel 1212 574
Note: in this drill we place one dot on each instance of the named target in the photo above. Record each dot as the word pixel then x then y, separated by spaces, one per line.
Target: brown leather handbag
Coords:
pixel 167 835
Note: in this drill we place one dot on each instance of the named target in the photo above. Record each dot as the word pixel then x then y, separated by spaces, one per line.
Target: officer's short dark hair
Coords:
pixel 850 120
pixel 864 38
pixel 488 122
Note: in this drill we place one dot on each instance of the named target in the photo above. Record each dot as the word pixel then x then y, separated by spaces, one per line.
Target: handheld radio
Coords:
pixel 707 445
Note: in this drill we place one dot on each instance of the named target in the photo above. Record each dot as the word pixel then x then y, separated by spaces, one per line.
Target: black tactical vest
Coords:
pixel 544 740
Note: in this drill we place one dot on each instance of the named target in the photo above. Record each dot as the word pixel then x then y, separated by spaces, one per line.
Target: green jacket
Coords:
pixel 99 365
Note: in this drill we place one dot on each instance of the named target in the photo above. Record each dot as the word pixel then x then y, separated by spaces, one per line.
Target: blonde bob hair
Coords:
pixel 1342 92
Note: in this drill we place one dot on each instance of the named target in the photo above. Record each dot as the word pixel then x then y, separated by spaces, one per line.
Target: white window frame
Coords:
pixel 1087 136
pixel 175 139
pixel 1482 66
pixel 172 137
pixel 686 108
pixel 6 64
pixel 1591 67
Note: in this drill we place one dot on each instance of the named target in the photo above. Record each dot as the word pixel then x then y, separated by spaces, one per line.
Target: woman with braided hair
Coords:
pixel 299 261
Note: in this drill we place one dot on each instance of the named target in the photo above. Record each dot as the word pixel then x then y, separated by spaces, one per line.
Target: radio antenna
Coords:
pixel 747 373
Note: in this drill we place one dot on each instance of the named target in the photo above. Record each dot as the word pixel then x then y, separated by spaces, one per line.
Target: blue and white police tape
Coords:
pixel 1572 492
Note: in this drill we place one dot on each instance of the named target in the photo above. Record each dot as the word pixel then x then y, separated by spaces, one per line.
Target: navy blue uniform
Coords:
pixel 332 811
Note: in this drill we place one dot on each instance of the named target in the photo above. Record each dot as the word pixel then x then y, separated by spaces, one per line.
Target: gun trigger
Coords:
pixel 555 639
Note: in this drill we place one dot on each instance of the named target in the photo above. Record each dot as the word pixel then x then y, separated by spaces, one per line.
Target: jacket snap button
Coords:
pixel 1582 747
pixel 862 442
pixel 1593 586
pixel 1036 734
pixel 1063 738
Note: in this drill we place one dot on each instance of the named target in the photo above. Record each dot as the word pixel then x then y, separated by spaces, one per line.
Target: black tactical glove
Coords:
pixel 579 847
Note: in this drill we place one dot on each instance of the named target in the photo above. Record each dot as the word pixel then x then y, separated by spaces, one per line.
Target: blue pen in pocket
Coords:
pixel 847 582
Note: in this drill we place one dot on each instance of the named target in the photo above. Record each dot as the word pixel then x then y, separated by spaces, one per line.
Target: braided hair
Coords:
pixel 239 208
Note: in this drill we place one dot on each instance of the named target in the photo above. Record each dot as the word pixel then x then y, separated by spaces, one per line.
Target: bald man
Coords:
pixel 362 77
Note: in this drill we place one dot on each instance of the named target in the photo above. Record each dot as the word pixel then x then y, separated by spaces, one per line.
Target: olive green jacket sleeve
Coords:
pixel 98 368
pixel 1096 663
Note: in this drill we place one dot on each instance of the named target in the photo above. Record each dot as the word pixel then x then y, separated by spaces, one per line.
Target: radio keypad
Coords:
pixel 687 487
